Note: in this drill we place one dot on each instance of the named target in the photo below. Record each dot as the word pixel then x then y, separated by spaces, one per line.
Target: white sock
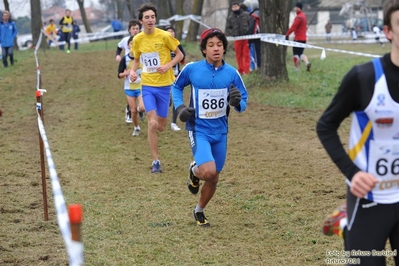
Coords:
pixel 198 209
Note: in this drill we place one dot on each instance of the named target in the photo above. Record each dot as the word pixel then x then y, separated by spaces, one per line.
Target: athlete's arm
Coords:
pixel 122 72
pixel 178 86
pixel 347 100
pixel 135 66
pixel 118 52
pixel 178 57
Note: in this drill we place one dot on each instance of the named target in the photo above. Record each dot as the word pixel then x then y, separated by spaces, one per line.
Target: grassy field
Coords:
pixel 276 187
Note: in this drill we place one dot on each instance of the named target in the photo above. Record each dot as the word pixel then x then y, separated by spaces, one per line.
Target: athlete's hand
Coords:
pixel 118 58
pixel 235 96
pixel 162 69
pixel 362 183
pixel 184 112
pixel 133 76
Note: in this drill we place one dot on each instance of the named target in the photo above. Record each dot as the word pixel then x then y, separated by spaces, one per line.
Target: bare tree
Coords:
pixel 163 9
pixel 83 14
pixel 7 5
pixel 119 9
pixel 274 18
pixel 193 29
pixel 130 8
pixel 37 24
pixel 179 24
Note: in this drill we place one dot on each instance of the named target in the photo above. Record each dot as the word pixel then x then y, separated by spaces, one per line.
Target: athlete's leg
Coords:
pixel 369 226
pixel 214 154
pixel 133 110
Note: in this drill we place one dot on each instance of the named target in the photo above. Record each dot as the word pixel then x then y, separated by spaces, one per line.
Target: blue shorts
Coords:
pixel 208 148
pixel 133 93
pixel 156 98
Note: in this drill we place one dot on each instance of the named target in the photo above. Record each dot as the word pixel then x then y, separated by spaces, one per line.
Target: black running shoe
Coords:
pixel 192 181
pixel 201 219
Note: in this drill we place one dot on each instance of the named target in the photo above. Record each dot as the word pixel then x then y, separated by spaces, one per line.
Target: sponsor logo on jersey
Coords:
pixel 381 100
pixel 384 121
pixel 384 112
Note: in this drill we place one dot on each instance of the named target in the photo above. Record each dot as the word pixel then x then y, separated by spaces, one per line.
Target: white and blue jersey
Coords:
pixel 210 88
pixel 374 140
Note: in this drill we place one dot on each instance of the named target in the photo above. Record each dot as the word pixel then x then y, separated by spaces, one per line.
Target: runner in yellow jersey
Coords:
pixel 152 47
pixel 66 28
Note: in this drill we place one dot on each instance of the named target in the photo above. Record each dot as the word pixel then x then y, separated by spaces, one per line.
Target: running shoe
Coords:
pixel 192 181
pixel 201 219
pixel 174 127
pixel 136 131
pixel 308 66
pixel 334 224
pixel 156 167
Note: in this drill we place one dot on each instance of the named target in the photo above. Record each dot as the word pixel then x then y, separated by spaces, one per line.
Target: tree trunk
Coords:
pixel 274 18
pixel 179 24
pixel 130 8
pixel 163 10
pixel 84 17
pixel 194 26
pixel 7 6
pixel 37 24
pixel 119 9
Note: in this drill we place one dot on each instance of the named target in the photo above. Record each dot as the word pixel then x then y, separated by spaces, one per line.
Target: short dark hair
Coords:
pixel 209 33
pixel 145 7
pixel 389 8
pixel 134 22
pixel 169 27
pixel 299 5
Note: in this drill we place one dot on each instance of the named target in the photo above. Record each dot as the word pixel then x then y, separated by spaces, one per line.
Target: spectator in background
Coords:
pixel 354 34
pixel 377 31
pixel 299 28
pixel 66 29
pixel 116 25
pixel 328 31
pixel 75 31
pixel 8 33
pixel 237 25
pixel 253 28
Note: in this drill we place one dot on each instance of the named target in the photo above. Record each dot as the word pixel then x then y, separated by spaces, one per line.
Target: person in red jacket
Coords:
pixel 299 27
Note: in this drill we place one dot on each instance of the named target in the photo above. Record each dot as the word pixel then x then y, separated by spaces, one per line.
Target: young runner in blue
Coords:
pixel 215 86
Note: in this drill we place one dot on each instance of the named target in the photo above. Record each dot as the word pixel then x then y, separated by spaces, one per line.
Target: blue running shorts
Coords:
pixel 133 93
pixel 208 148
pixel 156 98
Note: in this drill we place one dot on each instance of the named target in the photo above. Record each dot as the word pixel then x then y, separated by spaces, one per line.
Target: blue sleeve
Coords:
pixel 239 84
pixel 15 31
pixel 178 86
